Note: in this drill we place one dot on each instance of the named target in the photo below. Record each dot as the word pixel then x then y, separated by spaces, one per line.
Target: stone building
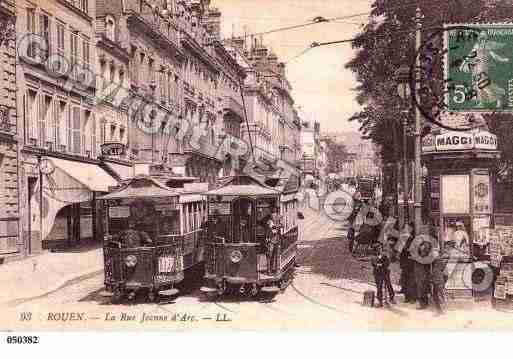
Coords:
pixel 310 149
pixel 201 72
pixel 11 239
pixel 112 128
pixel 274 125
pixel 60 173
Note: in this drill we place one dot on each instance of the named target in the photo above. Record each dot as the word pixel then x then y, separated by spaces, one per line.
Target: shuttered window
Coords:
pixel 41 120
pixel 93 136
pixel 44 31
pixel 75 130
pixel 31 29
pixel 62 126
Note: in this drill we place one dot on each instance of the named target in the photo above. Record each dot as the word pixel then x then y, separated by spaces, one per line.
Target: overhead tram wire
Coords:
pixel 323 20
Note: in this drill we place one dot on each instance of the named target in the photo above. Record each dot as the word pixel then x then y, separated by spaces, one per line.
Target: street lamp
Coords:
pixel 404 92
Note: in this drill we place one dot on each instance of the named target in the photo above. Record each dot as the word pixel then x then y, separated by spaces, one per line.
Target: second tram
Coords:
pixel 251 241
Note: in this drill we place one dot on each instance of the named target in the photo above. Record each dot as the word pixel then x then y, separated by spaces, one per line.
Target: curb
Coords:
pixel 72 279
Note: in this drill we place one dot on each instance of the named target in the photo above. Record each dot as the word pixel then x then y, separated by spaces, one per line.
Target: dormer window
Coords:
pixel 110 28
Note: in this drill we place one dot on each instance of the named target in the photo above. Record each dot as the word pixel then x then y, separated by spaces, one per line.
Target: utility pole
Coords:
pixel 406 180
pixel 418 165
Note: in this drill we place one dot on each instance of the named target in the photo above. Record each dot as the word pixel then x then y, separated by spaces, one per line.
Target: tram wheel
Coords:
pixel 131 296
pixel 153 296
pixel 117 296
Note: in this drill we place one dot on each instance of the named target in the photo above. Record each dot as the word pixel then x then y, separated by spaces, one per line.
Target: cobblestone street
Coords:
pixel 326 294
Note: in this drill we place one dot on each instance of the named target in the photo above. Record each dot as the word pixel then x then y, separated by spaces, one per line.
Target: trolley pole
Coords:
pixel 418 165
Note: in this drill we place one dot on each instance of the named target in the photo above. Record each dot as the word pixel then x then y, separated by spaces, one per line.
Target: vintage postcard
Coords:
pixel 255 165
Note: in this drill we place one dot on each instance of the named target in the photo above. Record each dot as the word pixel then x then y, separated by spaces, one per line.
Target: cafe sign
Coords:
pixel 113 149
pixel 457 141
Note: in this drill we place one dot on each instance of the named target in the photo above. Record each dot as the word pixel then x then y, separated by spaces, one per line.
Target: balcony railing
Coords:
pixel 143 12
pixel 231 105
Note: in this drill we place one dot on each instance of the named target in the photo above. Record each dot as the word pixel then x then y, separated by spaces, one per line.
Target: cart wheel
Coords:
pixel 117 296
pixel 153 296
pixel 131 296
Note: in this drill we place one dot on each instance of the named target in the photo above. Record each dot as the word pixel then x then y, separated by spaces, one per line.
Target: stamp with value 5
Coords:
pixel 479 66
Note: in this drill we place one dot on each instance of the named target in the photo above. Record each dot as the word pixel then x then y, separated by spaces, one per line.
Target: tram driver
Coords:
pixel 274 225
pixel 133 237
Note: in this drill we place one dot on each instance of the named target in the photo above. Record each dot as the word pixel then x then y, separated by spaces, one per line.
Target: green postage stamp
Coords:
pixel 479 68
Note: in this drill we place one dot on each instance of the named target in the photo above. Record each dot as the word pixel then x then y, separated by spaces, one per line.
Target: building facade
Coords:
pixel 11 238
pixel 273 123
pixel 60 173
pixel 107 89
pixel 310 149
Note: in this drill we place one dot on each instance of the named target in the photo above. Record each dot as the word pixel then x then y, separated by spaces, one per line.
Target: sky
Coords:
pixel 322 87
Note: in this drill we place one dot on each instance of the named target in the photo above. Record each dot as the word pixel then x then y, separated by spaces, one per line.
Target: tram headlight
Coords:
pixel 236 256
pixel 130 260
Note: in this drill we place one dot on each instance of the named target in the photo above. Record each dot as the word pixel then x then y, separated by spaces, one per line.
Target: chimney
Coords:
pixel 238 43
pixel 281 69
pixel 213 22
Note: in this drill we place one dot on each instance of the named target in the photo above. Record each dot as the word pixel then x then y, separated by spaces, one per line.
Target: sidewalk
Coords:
pixel 45 273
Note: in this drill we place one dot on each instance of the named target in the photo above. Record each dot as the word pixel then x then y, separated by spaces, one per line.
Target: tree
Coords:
pixel 336 155
pixel 386 42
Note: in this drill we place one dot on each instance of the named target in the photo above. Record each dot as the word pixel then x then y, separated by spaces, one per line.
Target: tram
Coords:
pixel 152 235
pixel 252 234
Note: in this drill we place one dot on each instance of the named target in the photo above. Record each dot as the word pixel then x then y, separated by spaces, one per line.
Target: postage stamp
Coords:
pixel 480 66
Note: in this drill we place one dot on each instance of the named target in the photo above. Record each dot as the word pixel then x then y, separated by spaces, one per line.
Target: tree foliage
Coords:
pixel 387 41
pixel 336 154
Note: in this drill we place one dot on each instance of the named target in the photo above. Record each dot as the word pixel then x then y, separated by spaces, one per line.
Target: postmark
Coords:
pixel 479 64
pixel 431 88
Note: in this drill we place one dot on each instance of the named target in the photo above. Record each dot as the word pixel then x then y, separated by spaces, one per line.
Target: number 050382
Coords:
pixel 19 339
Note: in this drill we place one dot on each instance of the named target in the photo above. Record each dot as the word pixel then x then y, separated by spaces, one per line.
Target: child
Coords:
pixel 380 264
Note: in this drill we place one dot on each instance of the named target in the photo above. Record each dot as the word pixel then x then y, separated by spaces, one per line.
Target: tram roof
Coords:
pixel 242 185
pixel 242 190
pixel 142 186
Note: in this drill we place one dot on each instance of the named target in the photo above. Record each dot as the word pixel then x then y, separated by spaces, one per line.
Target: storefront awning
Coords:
pixel 89 175
pixel 65 182
pixel 124 172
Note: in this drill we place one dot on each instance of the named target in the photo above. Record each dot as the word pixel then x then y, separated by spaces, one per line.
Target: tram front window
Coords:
pixel 243 221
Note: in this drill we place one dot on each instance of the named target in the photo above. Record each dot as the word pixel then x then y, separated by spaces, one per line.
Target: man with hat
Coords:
pixel 380 265
pixel 461 239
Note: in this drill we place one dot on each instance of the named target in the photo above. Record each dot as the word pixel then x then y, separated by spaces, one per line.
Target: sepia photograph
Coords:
pixel 255 166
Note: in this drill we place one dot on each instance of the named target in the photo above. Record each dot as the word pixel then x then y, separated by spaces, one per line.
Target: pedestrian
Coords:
pixel 439 278
pixel 406 264
pixel 381 271
pixel 422 272
pixel 461 239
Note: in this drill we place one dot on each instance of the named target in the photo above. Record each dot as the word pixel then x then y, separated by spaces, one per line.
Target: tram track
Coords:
pixel 329 228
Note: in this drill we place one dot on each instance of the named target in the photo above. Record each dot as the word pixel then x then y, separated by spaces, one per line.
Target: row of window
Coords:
pixel 67 42
pixel 82 5
pixel 58 124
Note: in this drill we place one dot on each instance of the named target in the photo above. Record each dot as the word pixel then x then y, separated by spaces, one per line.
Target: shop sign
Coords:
pixel 485 141
pixel 113 149
pixel 428 144
pixel 482 196
pixel 455 141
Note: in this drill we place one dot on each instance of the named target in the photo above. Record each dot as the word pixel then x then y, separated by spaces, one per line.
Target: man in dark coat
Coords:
pixel 406 264
pixel 381 270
